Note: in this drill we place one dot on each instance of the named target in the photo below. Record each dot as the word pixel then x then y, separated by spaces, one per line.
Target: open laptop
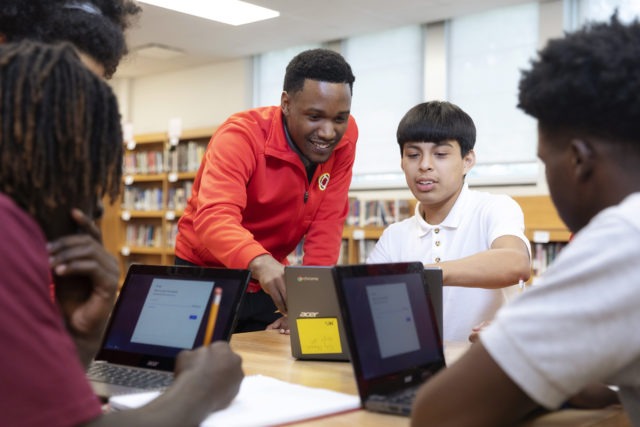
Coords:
pixel 433 277
pixel 162 310
pixel 392 332
pixel 315 322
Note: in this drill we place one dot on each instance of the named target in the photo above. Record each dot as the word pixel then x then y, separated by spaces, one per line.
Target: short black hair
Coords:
pixel 95 27
pixel 60 134
pixel 437 121
pixel 588 81
pixel 323 65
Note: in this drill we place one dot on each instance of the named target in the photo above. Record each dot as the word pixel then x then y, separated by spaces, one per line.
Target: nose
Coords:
pixel 426 163
pixel 326 130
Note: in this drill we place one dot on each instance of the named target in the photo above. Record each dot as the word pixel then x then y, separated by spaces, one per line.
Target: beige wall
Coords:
pixel 202 97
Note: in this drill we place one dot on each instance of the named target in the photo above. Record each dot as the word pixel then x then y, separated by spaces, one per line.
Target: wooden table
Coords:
pixel 269 353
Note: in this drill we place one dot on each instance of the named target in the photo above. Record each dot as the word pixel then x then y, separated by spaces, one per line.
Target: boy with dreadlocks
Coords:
pixel 60 149
pixel 96 29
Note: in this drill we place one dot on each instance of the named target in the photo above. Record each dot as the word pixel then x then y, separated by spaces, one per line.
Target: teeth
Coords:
pixel 425 182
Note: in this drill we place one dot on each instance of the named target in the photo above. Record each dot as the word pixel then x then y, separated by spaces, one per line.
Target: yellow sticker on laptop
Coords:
pixel 319 335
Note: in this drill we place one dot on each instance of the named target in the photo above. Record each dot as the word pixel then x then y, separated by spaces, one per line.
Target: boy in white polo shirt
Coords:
pixel 477 238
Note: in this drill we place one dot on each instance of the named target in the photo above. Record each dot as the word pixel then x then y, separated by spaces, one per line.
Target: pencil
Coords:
pixel 213 315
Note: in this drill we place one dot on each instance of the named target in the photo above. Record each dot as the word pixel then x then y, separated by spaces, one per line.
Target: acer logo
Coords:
pixel 153 363
pixel 309 314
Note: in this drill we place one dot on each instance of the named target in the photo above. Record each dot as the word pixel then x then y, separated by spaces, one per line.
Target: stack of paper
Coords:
pixel 263 401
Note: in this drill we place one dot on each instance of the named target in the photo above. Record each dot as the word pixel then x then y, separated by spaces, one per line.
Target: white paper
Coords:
pixel 263 401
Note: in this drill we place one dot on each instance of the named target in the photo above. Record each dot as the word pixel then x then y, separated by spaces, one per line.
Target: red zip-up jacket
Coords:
pixel 251 196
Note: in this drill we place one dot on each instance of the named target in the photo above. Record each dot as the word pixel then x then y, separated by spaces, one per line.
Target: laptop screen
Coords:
pixel 162 310
pixel 390 321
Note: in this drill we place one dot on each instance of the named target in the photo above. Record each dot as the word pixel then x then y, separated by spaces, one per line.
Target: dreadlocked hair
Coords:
pixel 99 34
pixel 60 135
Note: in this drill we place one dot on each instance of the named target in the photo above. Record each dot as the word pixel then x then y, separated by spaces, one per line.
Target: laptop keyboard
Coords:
pixel 130 377
pixel 398 402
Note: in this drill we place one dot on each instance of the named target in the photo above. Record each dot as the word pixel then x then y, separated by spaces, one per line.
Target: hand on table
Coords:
pixel 213 372
pixel 270 273
pixel 282 324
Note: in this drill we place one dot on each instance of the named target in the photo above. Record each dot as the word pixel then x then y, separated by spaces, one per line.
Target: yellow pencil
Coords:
pixel 213 315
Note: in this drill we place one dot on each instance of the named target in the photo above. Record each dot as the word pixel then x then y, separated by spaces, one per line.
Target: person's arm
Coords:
pixel 474 392
pixel 207 380
pixel 270 273
pixel 86 281
pixel 504 264
pixel 228 166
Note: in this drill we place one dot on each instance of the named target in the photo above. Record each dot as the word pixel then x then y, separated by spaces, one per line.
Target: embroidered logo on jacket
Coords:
pixel 323 181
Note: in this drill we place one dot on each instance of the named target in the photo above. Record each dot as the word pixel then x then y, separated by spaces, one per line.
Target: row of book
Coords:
pixel 543 254
pixel 178 196
pixel 144 162
pixel 143 236
pixel 142 199
pixel 377 212
pixel 186 156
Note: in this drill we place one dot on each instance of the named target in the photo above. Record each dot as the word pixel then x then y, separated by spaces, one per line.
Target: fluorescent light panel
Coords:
pixel 232 12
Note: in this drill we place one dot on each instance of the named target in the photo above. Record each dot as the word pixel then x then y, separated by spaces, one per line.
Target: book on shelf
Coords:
pixel 143 162
pixel 178 195
pixel 143 236
pixel 377 212
pixel 171 233
pixel 543 255
pixel 142 198
pixel 186 156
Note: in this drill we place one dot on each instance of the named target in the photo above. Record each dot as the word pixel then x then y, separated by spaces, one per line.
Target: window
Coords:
pixel 582 11
pixel 388 70
pixel 486 52
pixel 268 71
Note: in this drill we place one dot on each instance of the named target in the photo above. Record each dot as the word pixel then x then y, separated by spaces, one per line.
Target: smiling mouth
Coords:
pixel 321 145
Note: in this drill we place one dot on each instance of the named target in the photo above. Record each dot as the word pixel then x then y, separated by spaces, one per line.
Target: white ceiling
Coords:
pixel 300 22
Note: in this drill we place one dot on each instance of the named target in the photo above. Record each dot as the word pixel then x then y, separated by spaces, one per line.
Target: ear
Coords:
pixel 583 158
pixel 468 161
pixel 284 103
pixel 3 38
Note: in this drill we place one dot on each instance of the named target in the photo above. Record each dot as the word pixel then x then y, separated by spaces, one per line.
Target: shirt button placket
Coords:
pixel 437 248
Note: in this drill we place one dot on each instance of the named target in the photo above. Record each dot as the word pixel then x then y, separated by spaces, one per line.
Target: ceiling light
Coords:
pixel 232 12
pixel 158 51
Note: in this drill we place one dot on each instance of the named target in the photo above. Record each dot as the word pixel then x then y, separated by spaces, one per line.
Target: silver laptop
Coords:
pixel 392 331
pixel 162 310
pixel 317 330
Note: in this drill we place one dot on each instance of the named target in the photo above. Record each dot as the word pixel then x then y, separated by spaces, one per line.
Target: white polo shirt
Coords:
pixel 577 325
pixel 475 221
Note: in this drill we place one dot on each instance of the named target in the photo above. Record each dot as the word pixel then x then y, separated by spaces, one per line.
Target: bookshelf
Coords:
pixel 157 180
pixel 545 230
pixel 366 221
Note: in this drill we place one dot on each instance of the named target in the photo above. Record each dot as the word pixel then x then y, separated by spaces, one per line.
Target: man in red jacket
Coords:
pixel 272 176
